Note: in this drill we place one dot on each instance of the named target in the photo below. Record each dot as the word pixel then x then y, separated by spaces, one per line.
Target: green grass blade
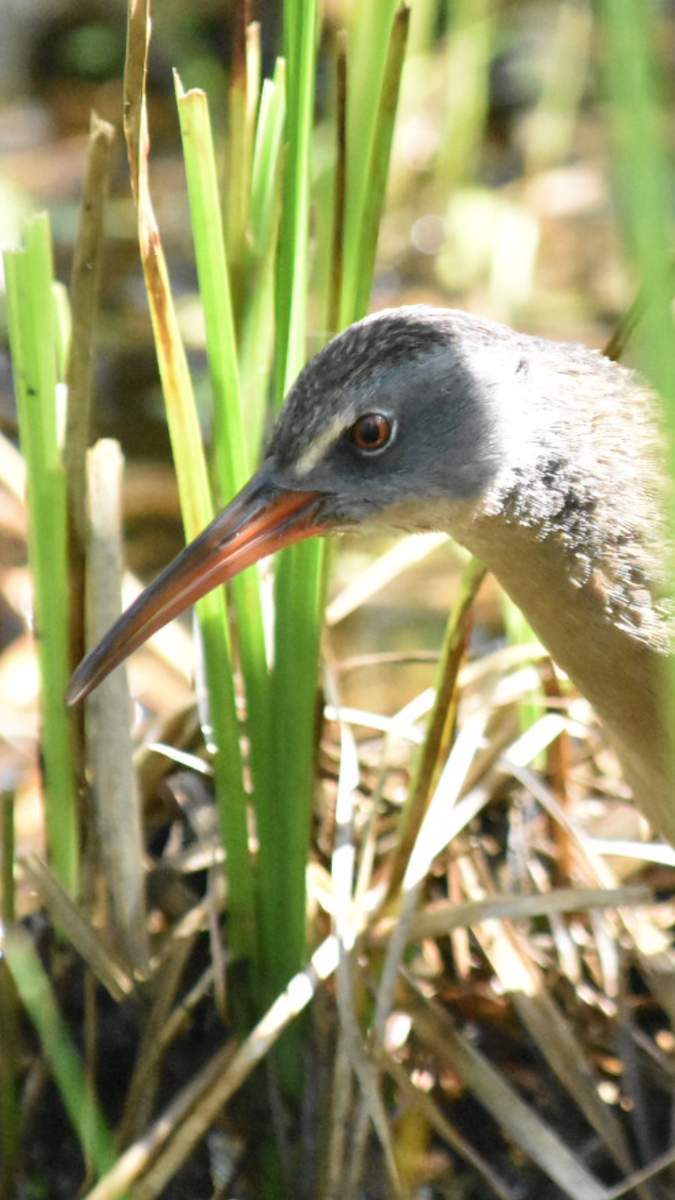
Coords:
pixel 441 722
pixel 299 571
pixel 34 352
pixel 230 451
pixel 644 181
pixel 373 196
pixel 369 41
pixel 39 1001
pixel 336 245
pixel 266 162
pixel 644 190
pixel 11 1070
pixel 468 90
pixel 300 36
pixel 371 104
pixel 257 325
pixel 10 1052
pixel 520 633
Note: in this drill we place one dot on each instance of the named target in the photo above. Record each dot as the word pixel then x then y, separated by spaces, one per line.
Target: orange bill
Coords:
pixel 263 518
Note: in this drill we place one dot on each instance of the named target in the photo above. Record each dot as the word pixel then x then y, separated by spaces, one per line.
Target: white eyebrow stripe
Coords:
pixel 318 448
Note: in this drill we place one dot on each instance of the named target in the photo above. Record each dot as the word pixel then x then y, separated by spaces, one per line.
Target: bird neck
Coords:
pixel 607 631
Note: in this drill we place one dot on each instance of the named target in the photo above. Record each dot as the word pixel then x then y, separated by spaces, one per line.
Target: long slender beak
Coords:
pixel 262 518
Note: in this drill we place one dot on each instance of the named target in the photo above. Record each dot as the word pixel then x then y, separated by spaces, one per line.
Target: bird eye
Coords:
pixel 372 432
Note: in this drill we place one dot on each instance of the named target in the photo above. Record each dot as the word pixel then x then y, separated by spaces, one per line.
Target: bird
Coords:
pixel 542 458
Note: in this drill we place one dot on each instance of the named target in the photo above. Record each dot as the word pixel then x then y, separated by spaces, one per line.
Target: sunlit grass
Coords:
pixel 35 340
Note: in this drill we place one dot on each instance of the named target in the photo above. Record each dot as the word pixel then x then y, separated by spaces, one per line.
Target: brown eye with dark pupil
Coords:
pixel 371 432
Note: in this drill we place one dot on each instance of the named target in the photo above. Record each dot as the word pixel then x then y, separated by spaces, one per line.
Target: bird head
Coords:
pixel 390 413
pixel 392 420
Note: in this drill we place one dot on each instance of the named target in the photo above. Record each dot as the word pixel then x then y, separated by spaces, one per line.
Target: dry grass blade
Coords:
pixel 178 1129
pixel 425 848
pixel 348 921
pixel 441 725
pixel 557 1161
pixel 442 916
pixel 161 1027
pixel 87 941
pixel 382 571
pixel 445 1129
pixel 84 294
pixel 115 790
pixel 513 963
pixel 651 945
pixel 342 1107
pixel 171 354
pixel 638 1177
